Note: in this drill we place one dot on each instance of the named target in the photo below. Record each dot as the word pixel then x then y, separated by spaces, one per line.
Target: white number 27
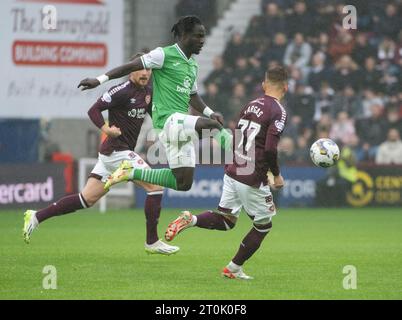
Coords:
pixel 249 130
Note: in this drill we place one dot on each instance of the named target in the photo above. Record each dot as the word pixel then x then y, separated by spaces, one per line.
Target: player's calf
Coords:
pixel 215 221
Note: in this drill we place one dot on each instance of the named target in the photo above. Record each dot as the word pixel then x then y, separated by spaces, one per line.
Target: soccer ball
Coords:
pixel 324 153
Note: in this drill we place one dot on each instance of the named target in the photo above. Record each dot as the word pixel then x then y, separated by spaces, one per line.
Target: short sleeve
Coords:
pixel 154 59
pixel 194 89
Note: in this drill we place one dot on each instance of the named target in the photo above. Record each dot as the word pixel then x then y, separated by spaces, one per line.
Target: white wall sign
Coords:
pixel 47 47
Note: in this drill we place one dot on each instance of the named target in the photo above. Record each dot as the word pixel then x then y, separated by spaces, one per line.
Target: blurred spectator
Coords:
pixel 213 98
pixel 323 126
pixel 372 132
pixel 349 101
pixel 220 76
pixel 394 119
pixel 234 49
pixel 302 104
pixel 286 150
pixel 274 22
pixel 318 72
pixel 386 50
pixel 345 74
pixel 370 76
pixel 341 45
pixel 277 49
pixel 300 20
pixel 236 102
pixel 370 99
pixel 390 151
pixel 243 73
pixel 343 129
pixel 298 53
pixel 302 152
pixel 323 102
pixel 293 127
pixel 363 49
pixel 388 23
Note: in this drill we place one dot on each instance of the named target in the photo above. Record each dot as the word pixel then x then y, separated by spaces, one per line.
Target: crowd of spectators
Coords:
pixel 344 84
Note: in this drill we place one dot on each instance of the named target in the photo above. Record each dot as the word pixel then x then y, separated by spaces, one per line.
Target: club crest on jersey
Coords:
pixel 187 82
pixel 132 155
pixel 279 125
pixel 147 99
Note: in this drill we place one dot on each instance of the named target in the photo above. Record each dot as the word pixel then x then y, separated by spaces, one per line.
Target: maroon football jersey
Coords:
pixel 259 121
pixel 127 104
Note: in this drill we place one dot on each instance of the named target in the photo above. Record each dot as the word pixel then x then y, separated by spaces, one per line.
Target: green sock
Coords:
pixel 224 138
pixel 160 177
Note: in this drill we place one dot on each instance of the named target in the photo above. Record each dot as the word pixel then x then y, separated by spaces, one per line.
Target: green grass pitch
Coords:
pixel 101 256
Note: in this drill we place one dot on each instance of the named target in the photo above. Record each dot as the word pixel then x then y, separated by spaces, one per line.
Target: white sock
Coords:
pixel 233 267
pixel 193 221
pixel 35 220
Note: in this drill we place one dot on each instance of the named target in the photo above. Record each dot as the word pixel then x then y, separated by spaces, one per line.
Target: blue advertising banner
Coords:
pixel 299 190
pixel 205 192
pixel 300 186
pixel 304 187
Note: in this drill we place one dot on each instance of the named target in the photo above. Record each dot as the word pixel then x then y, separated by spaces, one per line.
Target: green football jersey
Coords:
pixel 174 79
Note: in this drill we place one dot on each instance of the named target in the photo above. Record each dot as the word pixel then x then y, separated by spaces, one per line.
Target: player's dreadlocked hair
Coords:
pixel 185 25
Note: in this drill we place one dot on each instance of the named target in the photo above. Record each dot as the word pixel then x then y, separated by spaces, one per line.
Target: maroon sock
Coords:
pixel 212 220
pixel 65 205
pixel 152 210
pixel 249 245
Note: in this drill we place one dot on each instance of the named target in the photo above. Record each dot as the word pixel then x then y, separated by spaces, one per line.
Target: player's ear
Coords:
pixel 263 85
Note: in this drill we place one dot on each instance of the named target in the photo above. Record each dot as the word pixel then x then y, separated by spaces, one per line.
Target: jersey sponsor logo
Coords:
pixel 106 97
pixel 137 113
pixel 186 86
pixel 133 100
pixel 280 125
pixel 183 90
pixel 147 99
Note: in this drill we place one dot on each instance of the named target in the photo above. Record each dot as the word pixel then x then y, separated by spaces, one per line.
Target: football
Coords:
pixel 324 153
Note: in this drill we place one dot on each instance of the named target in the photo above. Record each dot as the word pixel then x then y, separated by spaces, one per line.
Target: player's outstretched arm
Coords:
pixel 198 104
pixel 125 69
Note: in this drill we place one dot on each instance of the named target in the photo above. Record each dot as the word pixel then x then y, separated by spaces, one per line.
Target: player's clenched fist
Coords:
pixel 112 131
pixel 218 117
pixel 89 83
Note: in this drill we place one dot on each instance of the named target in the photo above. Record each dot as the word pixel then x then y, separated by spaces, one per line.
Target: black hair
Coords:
pixel 185 25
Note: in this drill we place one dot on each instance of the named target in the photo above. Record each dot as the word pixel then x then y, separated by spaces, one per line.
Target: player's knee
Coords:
pixel 184 185
pixel 88 201
pixel 229 223
pixel 263 227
